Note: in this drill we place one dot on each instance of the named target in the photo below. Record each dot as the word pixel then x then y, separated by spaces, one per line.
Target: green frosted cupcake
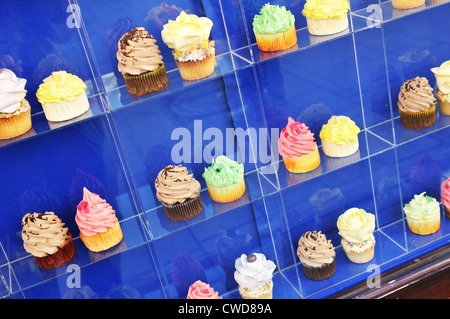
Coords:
pixel 423 214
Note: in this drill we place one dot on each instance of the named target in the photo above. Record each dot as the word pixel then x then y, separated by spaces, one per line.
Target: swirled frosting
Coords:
pixel 43 234
pixel 339 130
pixel 175 185
pixel 187 31
pixel 273 19
pixel 296 140
pixel 356 225
pixel 94 214
pixel 445 193
pixel 223 172
pixel 60 86
pixel 442 74
pixel 315 250
pixel 422 207
pixel 138 52
pixel 201 290
pixel 12 91
pixel 253 271
pixel 416 95
pixel 325 9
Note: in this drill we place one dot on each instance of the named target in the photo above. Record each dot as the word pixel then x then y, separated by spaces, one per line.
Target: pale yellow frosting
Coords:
pixel 442 74
pixel 60 86
pixel 325 9
pixel 356 225
pixel 339 130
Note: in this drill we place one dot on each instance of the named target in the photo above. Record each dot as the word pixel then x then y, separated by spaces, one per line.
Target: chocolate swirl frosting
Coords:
pixel 416 95
pixel 43 234
pixel 175 185
pixel 315 250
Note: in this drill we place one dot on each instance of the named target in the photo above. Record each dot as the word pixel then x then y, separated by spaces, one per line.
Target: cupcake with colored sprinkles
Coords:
pixel 423 214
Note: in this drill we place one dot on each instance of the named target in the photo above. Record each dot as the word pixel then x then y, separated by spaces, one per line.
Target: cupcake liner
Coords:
pixel 64 254
pixel 17 124
pixel 277 41
pixel 228 193
pixel 418 120
pixel 184 211
pixel 338 150
pixel 424 227
pixel 66 110
pixel 320 273
pixel 327 26
pixel 407 4
pixel 304 163
pixel 360 257
pixel 103 241
pixel 195 70
pixel 147 83
pixel 447 211
pixel 433 2
pixel 444 106
pixel 265 292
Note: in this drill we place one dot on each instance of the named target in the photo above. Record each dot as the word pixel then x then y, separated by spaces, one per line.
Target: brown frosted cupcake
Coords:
pixel 140 63
pixel 416 104
pixel 179 193
pixel 47 240
pixel 317 255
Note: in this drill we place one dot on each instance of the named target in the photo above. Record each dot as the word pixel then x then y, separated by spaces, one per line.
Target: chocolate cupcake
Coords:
pixel 179 193
pixel 317 255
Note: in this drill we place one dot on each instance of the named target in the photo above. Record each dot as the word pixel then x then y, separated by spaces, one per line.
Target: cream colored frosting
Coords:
pixel 315 250
pixel 356 225
pixel 442 74
pixel 12 91
pixel 175 185
pixel 138 53
pixel 325 9
pixel 416 95
pixel 43 234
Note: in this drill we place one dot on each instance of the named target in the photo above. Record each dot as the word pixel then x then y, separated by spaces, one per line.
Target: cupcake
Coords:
pixel 407 4
pixel 140 63
pixel 254 276
pixel 15 111
pixel 298 148
pixel 188 36
pixel 317 255
pixel 274 28
pixel 97 221
pixel 442 74
pixel 356 228
pixel 416 104
pixel 225 180
pixel 339 137
pixel 201 290
pixel 423 214
pixel 324 17
pixel 45 237
pixel 445 196
pixel 63 96
pixel 179 193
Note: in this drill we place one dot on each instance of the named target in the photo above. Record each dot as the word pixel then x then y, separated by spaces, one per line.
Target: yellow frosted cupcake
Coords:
pixel 324 17
pixel 442 74
pixel 339 136
pixel 407 4
pixel 423 214
pixel 63 96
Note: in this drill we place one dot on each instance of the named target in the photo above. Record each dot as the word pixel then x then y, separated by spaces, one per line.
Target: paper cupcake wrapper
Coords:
pixel 66 110
pixel 320 273
pixel 63 255
pixel 444 106
pixel 327 26
pixel 17 124
pixel 265 292
pixel 407 4
pixel 147 83
pixel 277 41
pixel 184 211
pixel 418 120
pixel 304 163
pixel 424 227
pixel 103 241
pixel 195 70
pixel 360 257
pixel 447 211
pixel 228 193
pixel 338 150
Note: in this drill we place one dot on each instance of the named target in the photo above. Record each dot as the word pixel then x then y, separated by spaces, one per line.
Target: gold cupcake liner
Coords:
pixel 360 257
pixel 147 83
pixel 265 292
pixel 17 124
pixel 444 106
pixel 103 241
pixel 418 120
pixel 184 211
pixel 424 227
pixel 304 163
pixel 227 194
pixel 407 4
pixel 327 26
pixel 66 110
pixel 195 70
pixel 277 41
pixel 338 150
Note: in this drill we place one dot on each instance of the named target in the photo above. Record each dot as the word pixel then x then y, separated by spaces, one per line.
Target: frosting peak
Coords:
pixel 445 193
pixel 223 172
pixel 416 95
pixel 315 250
pixel 175 185
pixel 12 91
pixel 296 140
pixel 273 19
pixel 422 207
pixel 201 290
pixel 442 74
pixel 339 130
pixel 60 86
pixel 325 9
pixel 356 225
pixel 253 272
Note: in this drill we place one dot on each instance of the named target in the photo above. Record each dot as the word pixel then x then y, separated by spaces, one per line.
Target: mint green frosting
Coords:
pixel 223 172
pixel 273 19
pixel 422 208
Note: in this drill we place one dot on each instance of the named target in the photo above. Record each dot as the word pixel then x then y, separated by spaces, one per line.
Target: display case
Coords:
pixel 117 149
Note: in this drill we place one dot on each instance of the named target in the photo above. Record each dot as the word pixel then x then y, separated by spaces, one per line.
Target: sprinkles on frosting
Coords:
pixel 202 51
pixel 359 246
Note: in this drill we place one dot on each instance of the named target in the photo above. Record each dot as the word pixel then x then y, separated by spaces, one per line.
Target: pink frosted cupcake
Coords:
pixel 445 196
pixel 201 290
